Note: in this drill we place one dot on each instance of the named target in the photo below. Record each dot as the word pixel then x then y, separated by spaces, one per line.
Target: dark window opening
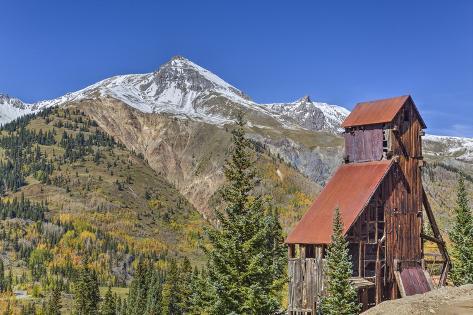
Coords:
pixel 380 213
pixel 372 233
pixel 310 251
pixel 380 230
pixel 406 114
pixel 372 213
pixel 370 251
pixel 371 297
pixel 370 268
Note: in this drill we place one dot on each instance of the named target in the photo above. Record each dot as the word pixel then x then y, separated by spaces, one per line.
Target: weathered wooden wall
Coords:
pixel 389 229
pixel 407 145
pixel 306 279
pixel 364 144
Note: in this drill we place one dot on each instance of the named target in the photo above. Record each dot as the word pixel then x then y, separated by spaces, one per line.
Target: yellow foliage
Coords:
pixel 86 235
pixel 300 199
pixel 154 203
pixel 65 218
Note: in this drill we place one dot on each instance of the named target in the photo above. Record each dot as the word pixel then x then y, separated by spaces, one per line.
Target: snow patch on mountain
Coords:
pixel 459 148
pixel 311 115
pixel 12 108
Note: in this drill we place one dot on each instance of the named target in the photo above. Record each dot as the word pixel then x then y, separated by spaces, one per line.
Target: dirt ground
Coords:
pixel 448 301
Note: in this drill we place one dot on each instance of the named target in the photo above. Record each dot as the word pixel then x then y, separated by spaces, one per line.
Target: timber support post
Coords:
pixel 436 239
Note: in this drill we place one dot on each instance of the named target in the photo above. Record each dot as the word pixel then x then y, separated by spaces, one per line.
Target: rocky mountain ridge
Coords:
pixel 182 88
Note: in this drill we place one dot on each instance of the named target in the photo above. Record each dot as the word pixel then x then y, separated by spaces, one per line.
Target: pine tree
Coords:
pixel 2 276
pixel 246 256
pixel 86 292
pixel 185 278
pixel 9 281
pixel 154 299
pixel 171 291
pixel 108 305
pixel 138 290
pixel 200 298
pixel 28 309
pixel 54 302
pixel 462 239
pixel 341 297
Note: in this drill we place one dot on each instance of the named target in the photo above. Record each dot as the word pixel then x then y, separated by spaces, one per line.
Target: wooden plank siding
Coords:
pixel 364 144
pixel 404 241
pixel 306 280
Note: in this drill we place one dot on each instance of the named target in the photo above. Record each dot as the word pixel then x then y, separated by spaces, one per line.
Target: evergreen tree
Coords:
pixel 54 302
pixel 246 256
pixel 462 239
pixel 154 299
pixel 86 292
pixel 171 291
pixel 341 298
pixel 108 305
pixel 9 281
pixel 185 288
pixel 2 276
pixel 137 297
pixel 28 309
pixel 200 298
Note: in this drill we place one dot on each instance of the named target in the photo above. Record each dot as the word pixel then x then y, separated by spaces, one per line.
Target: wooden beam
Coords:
pixel 378 282
pixel 400 285
pixel 441 244
pixel 432 239
pixel 401 144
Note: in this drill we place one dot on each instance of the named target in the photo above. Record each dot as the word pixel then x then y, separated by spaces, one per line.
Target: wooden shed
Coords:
pixel 379 193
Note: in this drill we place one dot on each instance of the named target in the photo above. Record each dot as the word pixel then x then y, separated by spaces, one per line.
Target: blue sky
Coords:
pixel 340 52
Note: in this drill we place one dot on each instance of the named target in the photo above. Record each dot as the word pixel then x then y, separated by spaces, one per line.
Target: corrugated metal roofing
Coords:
pixel 377 112
pixel 349 189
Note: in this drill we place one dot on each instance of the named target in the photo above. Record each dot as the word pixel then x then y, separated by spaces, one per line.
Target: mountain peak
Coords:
pixel 13 101
pixel 179 57
pixel 180 61
pixel 305 99
pixel 194 80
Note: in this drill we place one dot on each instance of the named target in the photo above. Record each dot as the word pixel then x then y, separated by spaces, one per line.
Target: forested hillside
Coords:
pixel 75 200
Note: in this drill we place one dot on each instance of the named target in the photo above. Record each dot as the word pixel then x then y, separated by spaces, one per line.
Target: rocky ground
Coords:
pixel 448 301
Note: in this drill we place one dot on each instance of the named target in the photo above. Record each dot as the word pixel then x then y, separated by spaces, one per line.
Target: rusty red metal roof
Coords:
pixel 378 112
pixel 349 189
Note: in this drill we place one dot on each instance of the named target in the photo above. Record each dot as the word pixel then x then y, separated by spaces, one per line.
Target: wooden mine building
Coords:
pixel 379 193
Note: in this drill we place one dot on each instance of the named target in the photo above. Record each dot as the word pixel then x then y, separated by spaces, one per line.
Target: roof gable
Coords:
pixel 378 112
pixel 350 189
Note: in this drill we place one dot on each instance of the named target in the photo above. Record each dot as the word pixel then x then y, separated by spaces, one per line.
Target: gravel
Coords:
pixel 445 301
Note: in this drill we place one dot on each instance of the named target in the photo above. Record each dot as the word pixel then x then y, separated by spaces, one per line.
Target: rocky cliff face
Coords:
pixel 190 154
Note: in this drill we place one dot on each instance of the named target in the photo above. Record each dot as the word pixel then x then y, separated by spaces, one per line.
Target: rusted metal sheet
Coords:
pixel 350 189
pixel 378 112
pixel 414 281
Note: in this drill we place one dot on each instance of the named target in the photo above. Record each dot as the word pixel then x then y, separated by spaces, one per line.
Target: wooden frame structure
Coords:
pixel 381 199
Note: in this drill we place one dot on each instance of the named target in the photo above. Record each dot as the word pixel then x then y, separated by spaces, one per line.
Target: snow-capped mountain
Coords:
pixel 181 87
pixel 11 108
pixel 311 115
pixel 455 147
